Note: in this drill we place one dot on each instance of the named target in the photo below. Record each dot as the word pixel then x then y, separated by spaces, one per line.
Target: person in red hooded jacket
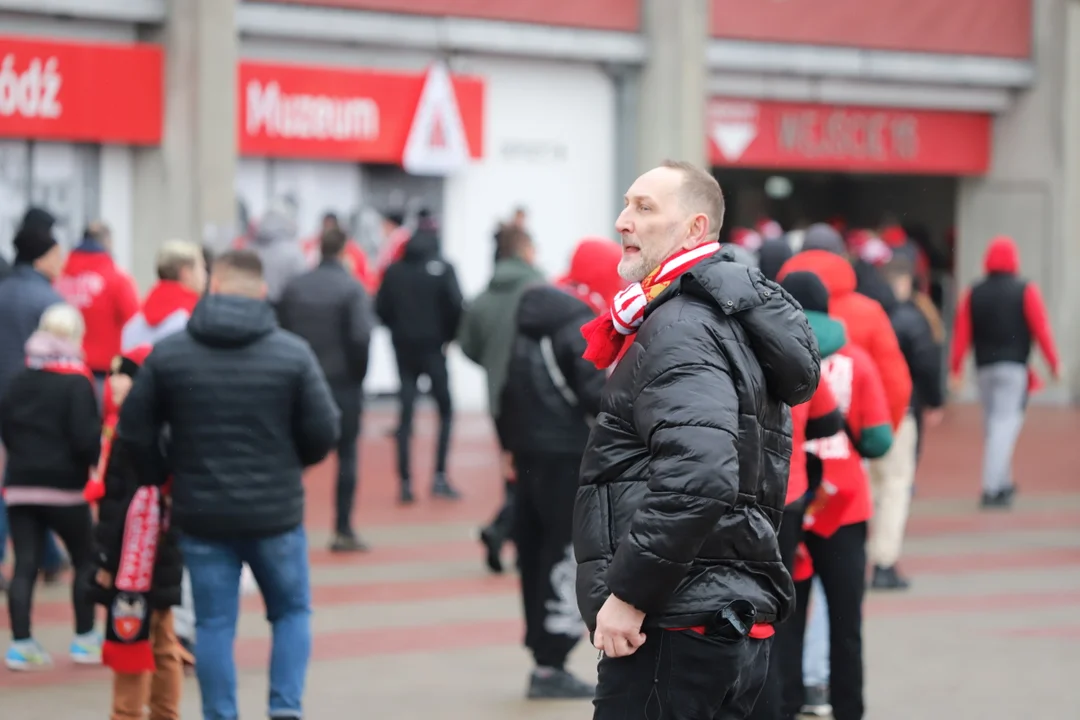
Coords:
pixel 104 294
pixel 836 520
pixel 866 322
pixel 819 417
pixel 1001 315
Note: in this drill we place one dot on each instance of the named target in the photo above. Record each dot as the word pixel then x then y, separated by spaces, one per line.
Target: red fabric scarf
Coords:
pixel 127 646
pixel 60 365
pixel 607 336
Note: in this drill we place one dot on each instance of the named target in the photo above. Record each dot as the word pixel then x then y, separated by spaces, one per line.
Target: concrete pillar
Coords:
pixel 673 83
pixel 184 188
pixel 1068 326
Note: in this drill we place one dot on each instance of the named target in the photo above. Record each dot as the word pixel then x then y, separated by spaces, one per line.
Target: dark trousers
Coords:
pixel 683 676
pixel 786 654
pixel 349 400
pixel 412 363
pixel 29 525
pixel 840 562
pixel 543 529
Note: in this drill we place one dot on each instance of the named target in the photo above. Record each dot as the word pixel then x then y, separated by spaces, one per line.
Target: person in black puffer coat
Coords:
pixel 247 408
pixel 684 478
pixel 550 397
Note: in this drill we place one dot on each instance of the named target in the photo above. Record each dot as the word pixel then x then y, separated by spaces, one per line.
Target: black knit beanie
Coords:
pixel 31 243
pixel 808 290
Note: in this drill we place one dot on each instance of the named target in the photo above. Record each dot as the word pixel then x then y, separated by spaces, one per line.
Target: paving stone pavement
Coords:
pixel 418 629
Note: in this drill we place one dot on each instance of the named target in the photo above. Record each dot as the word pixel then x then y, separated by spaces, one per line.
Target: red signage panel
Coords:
pixel 345 114
pixel 964 27
pixel 81 92
pixel 624 15
pixel 803 136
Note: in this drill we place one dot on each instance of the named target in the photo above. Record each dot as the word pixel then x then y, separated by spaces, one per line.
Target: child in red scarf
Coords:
pixel 140 569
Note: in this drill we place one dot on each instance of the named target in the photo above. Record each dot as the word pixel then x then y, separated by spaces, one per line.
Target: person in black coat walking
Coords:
pixel 549 401
pixel 247 408
pixel 330 309
pixel 420 302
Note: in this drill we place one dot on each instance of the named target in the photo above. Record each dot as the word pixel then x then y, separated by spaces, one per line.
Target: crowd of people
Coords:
pixel 708 450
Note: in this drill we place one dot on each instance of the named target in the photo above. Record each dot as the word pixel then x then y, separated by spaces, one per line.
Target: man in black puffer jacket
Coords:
pixel 684 478
pixel 548 402
pixel 246 408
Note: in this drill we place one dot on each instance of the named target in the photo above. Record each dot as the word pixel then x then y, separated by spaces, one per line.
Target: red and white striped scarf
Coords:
pixel 608 334
pixel 127 646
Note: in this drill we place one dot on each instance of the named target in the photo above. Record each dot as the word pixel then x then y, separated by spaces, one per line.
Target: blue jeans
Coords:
pixel 52 560
pixel 280 566
pixel 816 645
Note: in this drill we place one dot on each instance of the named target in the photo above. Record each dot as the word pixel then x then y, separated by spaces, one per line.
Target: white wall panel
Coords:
pixel 548 146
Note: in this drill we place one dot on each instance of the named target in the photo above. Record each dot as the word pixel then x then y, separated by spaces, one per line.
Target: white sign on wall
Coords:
pixel 436 144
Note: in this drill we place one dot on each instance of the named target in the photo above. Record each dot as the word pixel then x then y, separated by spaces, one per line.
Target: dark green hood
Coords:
pixel 830 333
pixel 512 274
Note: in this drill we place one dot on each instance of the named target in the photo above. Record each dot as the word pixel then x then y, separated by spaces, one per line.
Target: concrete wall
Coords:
pixel 184 188
pixel 1025 194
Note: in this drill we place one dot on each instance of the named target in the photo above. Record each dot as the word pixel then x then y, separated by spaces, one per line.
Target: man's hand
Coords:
pixel 618 628
pixel 104 579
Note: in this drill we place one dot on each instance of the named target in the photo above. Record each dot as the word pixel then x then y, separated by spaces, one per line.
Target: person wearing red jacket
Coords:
pixel 820 417
pixel 865 321
pixel 355 259
pixel 105 294
pixel 836 520
pixel 181 270
pixel 1001 315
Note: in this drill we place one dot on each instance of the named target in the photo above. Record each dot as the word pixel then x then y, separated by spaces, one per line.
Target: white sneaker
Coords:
pixel 26 655
pixel 86 649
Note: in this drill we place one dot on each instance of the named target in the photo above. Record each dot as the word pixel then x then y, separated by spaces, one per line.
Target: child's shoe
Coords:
pixel 26 655
pixel 86 649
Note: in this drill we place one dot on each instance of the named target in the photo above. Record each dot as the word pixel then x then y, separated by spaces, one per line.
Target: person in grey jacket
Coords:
pixel 330 309
pixel 486 336
pixel 278 246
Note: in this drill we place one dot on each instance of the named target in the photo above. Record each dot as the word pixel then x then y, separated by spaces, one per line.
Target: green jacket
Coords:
pixel 486 334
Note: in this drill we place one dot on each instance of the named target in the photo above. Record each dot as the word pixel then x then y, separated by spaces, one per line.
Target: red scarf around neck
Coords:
pixel 127 646
pixel 608 335
pixel 60 365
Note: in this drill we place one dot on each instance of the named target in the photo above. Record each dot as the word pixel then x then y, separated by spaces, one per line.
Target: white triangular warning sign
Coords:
pixel 436 144
pixel 732 127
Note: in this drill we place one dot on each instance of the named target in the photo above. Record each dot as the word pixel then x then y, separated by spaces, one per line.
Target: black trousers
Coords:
pixel 29 525
pixel 840 562
pixel 412 363
pixel 683 675
pixel 349 399
pixel 786 655
pixel 543 529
